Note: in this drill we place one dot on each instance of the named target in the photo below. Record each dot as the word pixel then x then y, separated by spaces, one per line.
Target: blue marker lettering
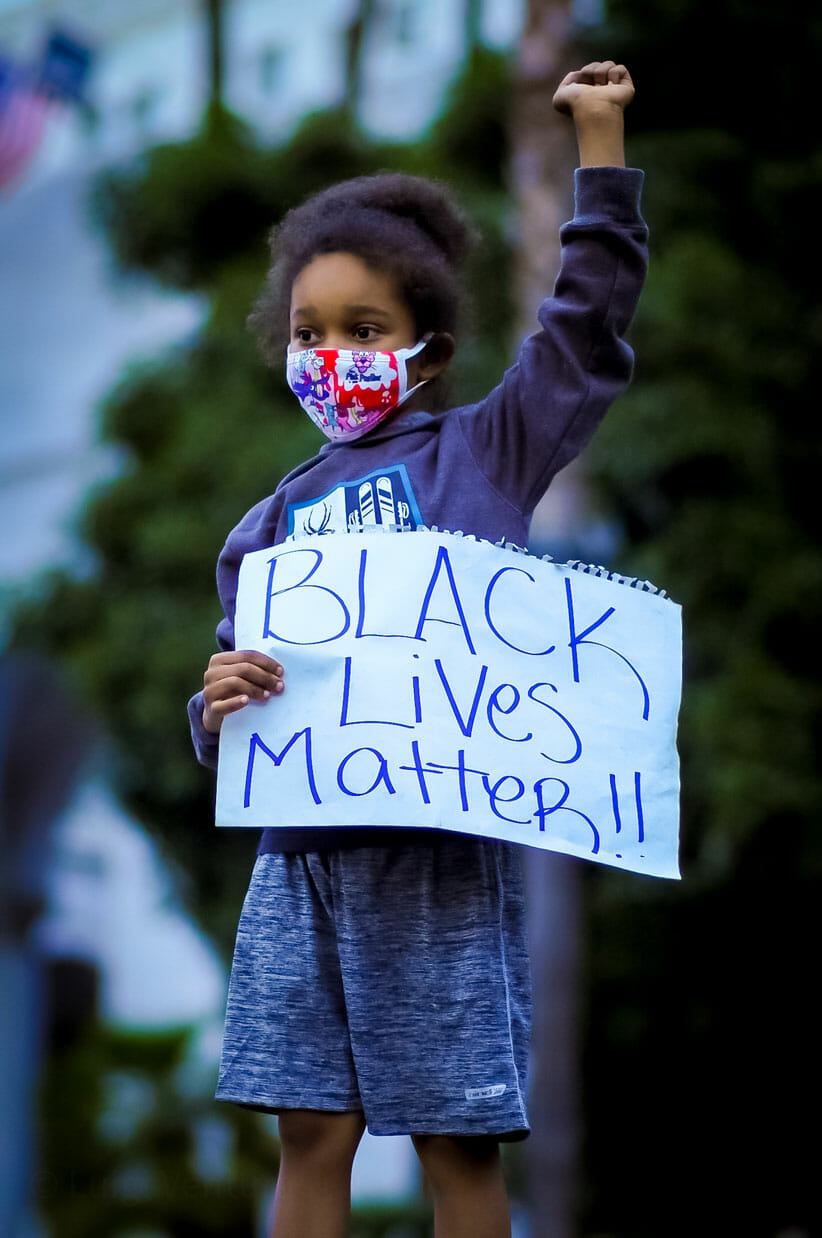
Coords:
pixel 577 753
pixel 546 810
pixel 443 561
pixel 494 796
pixel 465 727
pixel 493 704
pixel 534 653
pixel 381 775
pixel 581 639
pixel 256 743
pixel 268 631
pixel 344 707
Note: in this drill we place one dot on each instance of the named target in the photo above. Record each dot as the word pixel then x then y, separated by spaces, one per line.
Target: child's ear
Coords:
pixel 436 355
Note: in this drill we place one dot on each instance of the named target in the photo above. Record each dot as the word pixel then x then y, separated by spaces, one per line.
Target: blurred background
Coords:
pixel 146 146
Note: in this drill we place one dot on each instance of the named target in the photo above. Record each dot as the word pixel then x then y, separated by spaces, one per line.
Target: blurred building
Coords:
pixel 149 82
pixel 151 68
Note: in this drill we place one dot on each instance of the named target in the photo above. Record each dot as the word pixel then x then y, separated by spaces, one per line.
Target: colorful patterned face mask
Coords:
pixel 345 392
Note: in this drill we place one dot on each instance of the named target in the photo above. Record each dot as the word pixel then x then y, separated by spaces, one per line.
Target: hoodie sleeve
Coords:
pixel 256 529
pixel 566 375
pixel 206 743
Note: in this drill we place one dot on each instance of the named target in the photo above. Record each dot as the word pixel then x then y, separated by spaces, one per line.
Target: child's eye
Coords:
pixel 304 335
pixel 364 333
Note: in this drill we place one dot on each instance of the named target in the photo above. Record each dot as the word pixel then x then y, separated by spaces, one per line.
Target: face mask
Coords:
pixel 347 393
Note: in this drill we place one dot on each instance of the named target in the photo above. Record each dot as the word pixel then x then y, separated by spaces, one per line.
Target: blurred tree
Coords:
pixel 133 1143
pixel 356 41
pixel 214 13
pixel 206 431
pixel 700 1058
pixel 541 169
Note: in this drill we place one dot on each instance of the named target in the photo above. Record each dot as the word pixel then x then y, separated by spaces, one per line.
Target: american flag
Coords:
pixel 27 95
pixel 23 111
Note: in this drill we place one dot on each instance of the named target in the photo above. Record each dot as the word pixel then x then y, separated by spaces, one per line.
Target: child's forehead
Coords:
pixel 344 278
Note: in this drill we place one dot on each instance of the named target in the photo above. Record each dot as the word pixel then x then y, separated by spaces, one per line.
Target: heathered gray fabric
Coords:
pixel 389 979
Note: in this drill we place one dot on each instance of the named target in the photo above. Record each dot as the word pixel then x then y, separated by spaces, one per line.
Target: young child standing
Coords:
pixel 380 977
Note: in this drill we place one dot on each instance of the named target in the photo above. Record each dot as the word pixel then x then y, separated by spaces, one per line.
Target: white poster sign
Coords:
pixel 435 680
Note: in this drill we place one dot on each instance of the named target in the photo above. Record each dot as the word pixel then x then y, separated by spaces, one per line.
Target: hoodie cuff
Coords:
pixel 613 192
pixel 206 744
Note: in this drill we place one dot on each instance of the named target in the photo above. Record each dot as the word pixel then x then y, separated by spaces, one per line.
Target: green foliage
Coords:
pixel 715 504
pixel 697 1047
pixel 469 141
pixel 183 209
pixel 131 1143
pixel 206 431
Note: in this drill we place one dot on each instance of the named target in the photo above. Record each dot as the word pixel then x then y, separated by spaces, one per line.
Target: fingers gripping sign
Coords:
pixel 235 677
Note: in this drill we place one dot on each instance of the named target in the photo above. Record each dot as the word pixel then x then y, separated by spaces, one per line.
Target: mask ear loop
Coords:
pixel 411 390
pixel 405 355
pixel 408 353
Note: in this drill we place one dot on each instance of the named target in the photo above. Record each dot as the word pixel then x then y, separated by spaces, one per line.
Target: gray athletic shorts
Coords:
pixel 392 980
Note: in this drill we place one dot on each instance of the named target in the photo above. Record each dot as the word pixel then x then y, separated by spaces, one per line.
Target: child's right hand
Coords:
pixel 234 678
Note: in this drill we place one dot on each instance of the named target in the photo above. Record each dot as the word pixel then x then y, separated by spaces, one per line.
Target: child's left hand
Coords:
pixel 601 84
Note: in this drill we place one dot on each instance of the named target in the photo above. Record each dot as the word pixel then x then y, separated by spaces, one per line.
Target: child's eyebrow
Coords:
pixel 308 311
pixel 367 309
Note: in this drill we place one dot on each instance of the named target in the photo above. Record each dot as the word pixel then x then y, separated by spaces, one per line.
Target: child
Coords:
pixel 381 976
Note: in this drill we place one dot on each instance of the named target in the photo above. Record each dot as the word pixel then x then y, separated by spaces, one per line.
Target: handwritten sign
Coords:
pixel 435 680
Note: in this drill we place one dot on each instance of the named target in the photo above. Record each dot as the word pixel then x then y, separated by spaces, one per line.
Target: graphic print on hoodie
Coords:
pixel 382 497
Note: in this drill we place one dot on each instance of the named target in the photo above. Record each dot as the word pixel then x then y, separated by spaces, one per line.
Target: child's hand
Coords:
pixel 233 679
pixel 597 86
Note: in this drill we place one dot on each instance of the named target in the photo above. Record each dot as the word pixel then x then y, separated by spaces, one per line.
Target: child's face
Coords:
pixel 337 301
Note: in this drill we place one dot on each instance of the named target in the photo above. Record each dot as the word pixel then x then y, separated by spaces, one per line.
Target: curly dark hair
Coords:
pixel 407 225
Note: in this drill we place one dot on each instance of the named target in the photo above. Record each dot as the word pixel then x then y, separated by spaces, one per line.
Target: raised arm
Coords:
pixel 596 97
pixel 567 374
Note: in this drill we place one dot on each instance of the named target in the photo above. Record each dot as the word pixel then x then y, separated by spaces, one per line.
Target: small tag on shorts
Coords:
pixel 487 1093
